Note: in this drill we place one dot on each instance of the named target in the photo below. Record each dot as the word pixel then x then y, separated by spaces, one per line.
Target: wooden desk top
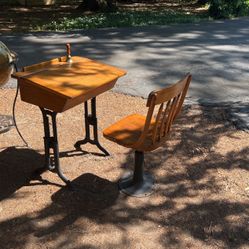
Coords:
pixel 57 85
pixel 70 80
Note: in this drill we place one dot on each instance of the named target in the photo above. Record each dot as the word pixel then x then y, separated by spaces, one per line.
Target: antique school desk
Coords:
pixel 58 85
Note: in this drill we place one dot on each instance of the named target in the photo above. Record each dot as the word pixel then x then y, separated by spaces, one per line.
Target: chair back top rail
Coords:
pixel 170 92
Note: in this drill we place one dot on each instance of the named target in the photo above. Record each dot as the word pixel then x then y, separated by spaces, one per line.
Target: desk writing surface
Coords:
pixel 72 80
pixel 66 84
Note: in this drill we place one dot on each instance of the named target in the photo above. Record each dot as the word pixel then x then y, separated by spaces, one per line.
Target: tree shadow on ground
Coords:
pixel 212 218
pixel 214 52
pixel 32 16
pixel 16 169
pixel 17 18
pixel 196 181
pixel 194 206
pixel 207 214
pixel 91 197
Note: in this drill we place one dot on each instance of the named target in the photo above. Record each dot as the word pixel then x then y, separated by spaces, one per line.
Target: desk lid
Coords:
pixel 70 80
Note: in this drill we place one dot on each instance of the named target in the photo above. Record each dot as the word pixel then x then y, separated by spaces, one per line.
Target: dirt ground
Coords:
pixel 200 198
pixel 25 19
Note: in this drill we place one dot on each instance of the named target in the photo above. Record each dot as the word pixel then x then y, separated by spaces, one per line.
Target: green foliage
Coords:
pixel 122 19
pixel 228 8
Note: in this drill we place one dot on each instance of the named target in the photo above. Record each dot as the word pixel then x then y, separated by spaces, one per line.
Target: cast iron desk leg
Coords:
pixel 52 161
pixel 91 120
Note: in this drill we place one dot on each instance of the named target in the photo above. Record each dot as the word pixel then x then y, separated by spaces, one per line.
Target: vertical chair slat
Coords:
pixel 178 106
pixel 158 117
pixel 174 109
pixel 165 116
pixel 183 93
pixel 168 121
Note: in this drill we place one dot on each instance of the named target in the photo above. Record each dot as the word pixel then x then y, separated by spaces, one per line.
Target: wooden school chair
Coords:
pixel 147 133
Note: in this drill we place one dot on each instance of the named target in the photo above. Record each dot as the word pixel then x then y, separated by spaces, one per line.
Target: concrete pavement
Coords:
pixel 216 54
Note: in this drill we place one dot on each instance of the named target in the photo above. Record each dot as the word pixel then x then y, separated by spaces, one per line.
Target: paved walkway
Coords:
pixel 216 53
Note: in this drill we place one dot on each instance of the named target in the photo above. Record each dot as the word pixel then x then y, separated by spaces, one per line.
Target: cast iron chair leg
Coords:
pixel 138 184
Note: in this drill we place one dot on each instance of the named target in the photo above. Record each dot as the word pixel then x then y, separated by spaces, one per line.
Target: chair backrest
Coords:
pixel 170 100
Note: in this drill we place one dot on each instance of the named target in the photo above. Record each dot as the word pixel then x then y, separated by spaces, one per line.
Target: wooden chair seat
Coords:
pixel 128 130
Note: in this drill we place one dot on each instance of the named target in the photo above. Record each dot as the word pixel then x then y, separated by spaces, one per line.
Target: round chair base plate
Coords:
pixel 140 189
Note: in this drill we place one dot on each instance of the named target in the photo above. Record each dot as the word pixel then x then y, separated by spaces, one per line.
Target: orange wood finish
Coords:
pixel 68 49
pixel 148 133
pixel 128 130
pixel 58 85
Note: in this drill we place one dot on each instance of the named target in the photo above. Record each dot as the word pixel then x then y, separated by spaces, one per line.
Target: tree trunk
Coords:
pixel 96 5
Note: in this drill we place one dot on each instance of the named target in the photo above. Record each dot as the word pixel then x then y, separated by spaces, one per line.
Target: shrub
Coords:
pixel 228 8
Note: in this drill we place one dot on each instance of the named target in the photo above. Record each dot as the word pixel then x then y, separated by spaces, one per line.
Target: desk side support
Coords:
pixel 52 161
pixel 91 120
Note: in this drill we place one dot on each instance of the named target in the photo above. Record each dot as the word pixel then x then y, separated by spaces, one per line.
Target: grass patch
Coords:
pixel 122 19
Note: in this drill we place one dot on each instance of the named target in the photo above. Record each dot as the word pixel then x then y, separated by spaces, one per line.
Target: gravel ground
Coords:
pixel 200 198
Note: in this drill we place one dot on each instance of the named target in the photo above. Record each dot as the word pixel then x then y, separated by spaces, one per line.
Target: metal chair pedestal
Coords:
pixel 138 183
